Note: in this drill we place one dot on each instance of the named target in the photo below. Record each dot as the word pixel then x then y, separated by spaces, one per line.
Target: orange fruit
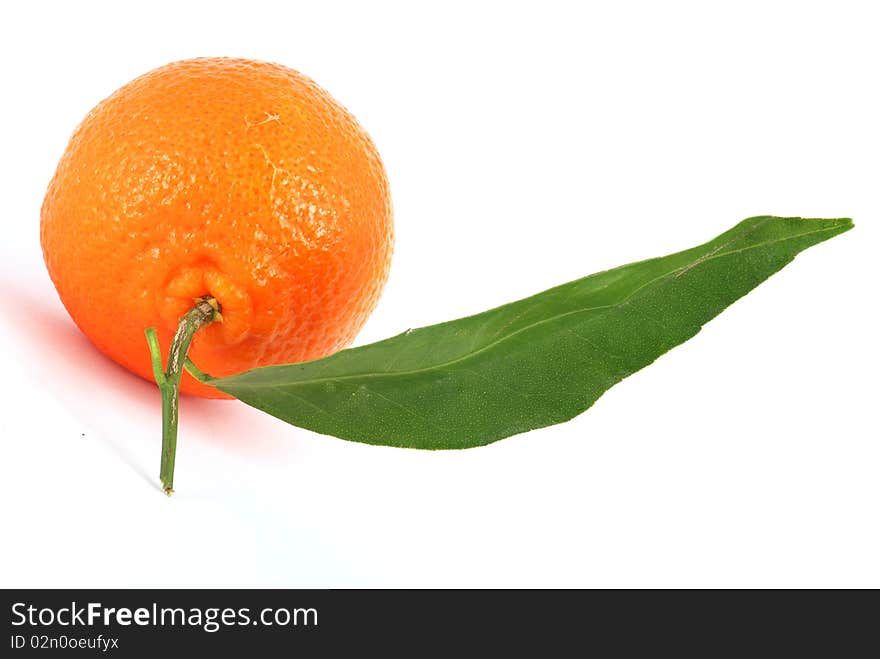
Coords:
pixel 233 178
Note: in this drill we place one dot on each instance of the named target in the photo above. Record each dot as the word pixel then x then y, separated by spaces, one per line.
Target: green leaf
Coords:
pixel 529 364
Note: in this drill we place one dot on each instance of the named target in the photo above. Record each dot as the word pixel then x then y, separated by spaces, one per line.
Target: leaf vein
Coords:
pixel 470 355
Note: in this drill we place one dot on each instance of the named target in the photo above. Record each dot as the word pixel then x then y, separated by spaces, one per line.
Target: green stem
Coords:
pixel 205 311
pixel 195 371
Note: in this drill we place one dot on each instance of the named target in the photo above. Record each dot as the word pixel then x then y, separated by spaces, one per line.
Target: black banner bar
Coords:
pixel 416 622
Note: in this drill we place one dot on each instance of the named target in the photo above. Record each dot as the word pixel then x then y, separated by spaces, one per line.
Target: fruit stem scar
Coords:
pixel 205 311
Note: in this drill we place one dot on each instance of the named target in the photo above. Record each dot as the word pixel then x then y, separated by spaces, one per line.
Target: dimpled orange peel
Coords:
pixel 235 181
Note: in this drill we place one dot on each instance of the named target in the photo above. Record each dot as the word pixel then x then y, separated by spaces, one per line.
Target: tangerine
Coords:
pixel 233 178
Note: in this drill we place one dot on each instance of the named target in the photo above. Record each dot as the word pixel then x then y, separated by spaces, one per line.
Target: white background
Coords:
pixel 526 145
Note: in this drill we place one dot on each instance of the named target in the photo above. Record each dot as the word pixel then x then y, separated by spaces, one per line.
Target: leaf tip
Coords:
pixel 835 226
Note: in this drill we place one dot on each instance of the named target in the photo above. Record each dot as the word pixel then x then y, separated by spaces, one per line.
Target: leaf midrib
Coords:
pixel 379 374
